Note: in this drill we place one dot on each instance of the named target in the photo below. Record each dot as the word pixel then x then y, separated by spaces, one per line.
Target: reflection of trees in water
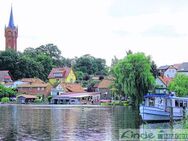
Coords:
pixel 95 123
pixel 8 130
pixel 54 122
pixel 124 118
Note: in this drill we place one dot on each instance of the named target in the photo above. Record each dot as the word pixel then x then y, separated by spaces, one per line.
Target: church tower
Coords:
pixel 11 34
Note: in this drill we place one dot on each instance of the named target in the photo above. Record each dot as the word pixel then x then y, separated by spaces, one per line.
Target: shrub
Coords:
pixel 49 98
pixel 5 100
pixel 37 101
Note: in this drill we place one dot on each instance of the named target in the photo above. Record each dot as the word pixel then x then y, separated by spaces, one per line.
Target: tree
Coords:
pixel 154 70
pixel 29 68
pixel 79 75
pixel 9 61
pixel 114 61
pixel 129 52
pixel 179 85
pixel 50 50
pixel 90 65
pixel 6 92
pixel 133 76
pixel 46 64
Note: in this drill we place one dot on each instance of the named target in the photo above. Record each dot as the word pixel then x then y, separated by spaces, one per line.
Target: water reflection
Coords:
pixel 26 122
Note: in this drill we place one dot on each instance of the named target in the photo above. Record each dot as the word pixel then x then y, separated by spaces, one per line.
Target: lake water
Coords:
pixel 66 123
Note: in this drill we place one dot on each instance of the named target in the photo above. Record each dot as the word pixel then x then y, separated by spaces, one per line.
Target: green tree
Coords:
pixel 9 61
pixel 49 49
pixel 154 69
pixel 79 75
pixel 114 61
pixel 133 76
pixel 46 65
pixel 29 68
pixel 6 92
pixel 90 65
pixel 179 85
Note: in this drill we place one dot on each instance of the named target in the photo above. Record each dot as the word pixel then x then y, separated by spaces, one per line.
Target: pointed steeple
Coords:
pixel 11 20
pixel 11 34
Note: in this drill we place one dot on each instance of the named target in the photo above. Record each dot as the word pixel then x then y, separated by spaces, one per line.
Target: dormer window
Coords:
pixel 58 74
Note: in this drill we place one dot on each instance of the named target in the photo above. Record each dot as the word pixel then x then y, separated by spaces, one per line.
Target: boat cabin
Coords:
pixel 163 107
pixel 163 101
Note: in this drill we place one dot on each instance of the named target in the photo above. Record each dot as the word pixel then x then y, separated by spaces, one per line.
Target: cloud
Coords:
pixel 162 30
pixel 102 28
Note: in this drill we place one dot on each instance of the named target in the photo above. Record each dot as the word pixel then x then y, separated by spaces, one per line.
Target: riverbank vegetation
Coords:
pixel 179 85
pixel 7 92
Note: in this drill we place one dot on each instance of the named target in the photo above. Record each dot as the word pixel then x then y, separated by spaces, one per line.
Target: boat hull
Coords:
pixel 156 114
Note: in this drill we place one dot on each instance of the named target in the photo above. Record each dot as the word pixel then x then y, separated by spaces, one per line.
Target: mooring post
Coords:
pixel 171 113
pixel 184 112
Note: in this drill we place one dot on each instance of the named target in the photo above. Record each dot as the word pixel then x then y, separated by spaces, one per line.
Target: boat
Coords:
pixel 163 107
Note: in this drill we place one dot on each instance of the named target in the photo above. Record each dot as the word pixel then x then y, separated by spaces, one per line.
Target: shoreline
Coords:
pixel 61 105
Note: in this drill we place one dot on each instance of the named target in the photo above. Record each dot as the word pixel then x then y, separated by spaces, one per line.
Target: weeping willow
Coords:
pixel 134 76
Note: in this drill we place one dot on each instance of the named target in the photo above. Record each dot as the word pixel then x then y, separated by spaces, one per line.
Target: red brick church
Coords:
pixel 11 34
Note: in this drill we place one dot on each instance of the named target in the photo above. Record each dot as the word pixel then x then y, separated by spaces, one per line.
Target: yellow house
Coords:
pixel 58 75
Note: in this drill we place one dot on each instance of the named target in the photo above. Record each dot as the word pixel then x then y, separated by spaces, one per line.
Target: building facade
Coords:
pixel 59 75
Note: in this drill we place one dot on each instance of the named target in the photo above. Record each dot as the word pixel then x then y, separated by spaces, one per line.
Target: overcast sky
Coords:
pixel 102 28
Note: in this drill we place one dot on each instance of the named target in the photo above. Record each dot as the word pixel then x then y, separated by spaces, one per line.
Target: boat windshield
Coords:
pixel 151 101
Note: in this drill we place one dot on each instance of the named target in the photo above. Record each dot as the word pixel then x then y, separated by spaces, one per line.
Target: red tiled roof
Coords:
pixel 7 77
pixel 32 80
pixel 72 87
pixel 96 85
pixel 34 85
pixel 4 74
pixel 165 80
pixel 64 71
pixel 105 83
pixel 27 96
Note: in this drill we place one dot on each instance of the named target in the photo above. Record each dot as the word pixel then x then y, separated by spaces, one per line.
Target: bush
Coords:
pixel 5 100
pixel 49 98
pixel 37 101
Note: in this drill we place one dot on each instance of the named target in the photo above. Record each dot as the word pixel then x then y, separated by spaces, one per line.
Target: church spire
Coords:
pixel 11 20
pixel 11 34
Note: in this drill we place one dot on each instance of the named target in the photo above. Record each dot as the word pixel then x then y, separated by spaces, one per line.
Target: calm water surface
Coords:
pixel 65 123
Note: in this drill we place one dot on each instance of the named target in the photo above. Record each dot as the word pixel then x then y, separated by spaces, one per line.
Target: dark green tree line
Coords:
pixel 38 62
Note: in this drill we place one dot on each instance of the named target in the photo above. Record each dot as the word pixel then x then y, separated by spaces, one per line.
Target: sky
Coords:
pixel 102 28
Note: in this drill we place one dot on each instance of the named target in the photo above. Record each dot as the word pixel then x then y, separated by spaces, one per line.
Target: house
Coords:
pixel 23 99
pixel 16 83
pixel 34 86
pixel 162 69
pixel 104 88
pixel 183 68
pixel 77 98
pixel 168 70
pixel 5 77
pixel 162 83
pixel 58 75
pixel 67 88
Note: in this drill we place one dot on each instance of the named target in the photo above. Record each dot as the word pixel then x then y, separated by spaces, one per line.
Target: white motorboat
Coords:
pixel 162 107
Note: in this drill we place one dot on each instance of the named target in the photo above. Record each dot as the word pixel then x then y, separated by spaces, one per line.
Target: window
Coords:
pixel 58 74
